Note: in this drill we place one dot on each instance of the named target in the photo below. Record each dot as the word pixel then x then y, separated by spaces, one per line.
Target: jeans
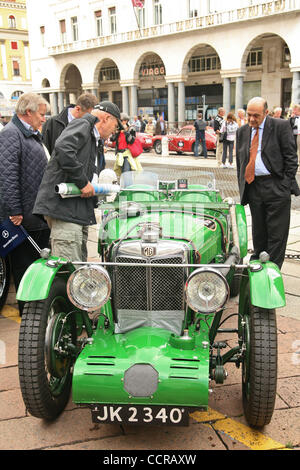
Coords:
pixel 227 144
pixel 200 138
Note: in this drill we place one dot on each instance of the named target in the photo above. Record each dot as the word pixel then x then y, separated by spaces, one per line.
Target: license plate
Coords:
pixel 140 414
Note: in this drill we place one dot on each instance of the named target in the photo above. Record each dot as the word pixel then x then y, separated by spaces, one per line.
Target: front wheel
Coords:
pixel 259 366
pixel 47 337
pixel 157 147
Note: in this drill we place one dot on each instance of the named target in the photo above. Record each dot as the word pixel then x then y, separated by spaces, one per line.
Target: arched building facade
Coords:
pixel 224 58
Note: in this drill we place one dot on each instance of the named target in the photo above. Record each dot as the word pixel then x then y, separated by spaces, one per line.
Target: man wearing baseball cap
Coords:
pixel 74 160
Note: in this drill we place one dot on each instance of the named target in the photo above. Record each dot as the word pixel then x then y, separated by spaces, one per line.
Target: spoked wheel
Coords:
pixel 259 366
pixel 46 343
pixel 4 280
pixel 157 147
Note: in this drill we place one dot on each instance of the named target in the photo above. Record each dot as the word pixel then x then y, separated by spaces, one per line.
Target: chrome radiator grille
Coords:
pixel 148 289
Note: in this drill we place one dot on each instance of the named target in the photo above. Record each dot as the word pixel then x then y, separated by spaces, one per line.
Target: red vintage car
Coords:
pixel 145 139
pixel 184 140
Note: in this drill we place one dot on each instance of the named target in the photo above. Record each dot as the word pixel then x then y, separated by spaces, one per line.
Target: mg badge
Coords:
pixel 149 250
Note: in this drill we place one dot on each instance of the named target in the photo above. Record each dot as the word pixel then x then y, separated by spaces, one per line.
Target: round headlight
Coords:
pixel 206 290
pixel 89 287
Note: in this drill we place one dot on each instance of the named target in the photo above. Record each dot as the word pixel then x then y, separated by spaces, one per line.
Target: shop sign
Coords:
pixel 153 71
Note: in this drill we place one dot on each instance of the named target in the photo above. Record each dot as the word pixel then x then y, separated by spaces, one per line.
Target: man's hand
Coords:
pixel 16 219
pixel 88 191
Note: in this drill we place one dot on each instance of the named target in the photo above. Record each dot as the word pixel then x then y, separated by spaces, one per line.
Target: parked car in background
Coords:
pixel 145 139
pixel 184 140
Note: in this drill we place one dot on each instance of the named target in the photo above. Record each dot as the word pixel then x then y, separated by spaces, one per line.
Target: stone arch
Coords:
pixel 203 86
pixel 107 81
pixel 150 75
pixel 45 83
pixel 266 61
pixel 71 81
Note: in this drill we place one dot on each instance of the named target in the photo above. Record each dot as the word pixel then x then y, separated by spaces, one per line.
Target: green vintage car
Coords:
pixel 137 335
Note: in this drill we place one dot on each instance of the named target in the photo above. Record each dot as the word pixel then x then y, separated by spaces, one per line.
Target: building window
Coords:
pixel 99 25
pixel 254 58
pixel 141 17
pixel 109 73
pixel 16 68
pixel 157 12
pixel 74 26
pixel 42 32
pixel 286 55
pixel 16 95
pixel 112 20
pixel 204 63
pixel 12 22
pixel 63 34
pixel 193 8
pixel 14 45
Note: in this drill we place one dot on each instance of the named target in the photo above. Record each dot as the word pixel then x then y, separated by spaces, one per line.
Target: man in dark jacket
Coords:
pixel 22 165
pixel 200 127
pixel 54 126
pixel 74 161
pixel 218 121
pixel 266 168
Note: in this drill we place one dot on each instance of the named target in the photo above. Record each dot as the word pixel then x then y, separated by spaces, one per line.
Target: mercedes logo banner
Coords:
pixel 10 237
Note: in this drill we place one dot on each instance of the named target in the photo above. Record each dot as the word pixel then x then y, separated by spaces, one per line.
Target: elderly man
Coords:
pixel 74 160
pixel 277 114
pixel 22 165
pixel 266 166
pixel 54 126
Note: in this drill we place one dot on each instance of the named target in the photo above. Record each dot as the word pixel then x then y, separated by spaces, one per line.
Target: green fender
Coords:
pixel 242 229
pixel 38 278
pixel 266 285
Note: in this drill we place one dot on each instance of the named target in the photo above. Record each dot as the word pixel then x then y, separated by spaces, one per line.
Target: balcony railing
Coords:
pixel 249 13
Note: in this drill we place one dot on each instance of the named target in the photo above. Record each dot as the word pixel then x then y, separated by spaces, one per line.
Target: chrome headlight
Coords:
pixel 206 290
pixel 89 287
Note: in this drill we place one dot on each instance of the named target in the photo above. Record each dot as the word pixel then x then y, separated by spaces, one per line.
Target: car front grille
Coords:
pixel 149 289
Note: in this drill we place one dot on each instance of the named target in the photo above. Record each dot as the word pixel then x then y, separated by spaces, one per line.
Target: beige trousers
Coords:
pixel 68 240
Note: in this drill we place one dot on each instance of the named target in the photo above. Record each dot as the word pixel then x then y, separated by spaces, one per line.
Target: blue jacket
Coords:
pixel 22 165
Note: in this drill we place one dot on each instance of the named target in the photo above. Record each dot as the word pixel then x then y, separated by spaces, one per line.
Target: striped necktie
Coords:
pixel 250 168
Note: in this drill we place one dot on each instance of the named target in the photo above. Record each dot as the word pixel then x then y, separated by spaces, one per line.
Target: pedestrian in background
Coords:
pixel 150 127
pixel 160 128
pixel 228 129
pixel 200 127
pixel 295 124
pixel 277 113
pixel 54 126
pixel 218 121
pixel 266 168
pixel 73 160
pixel 136 124
pixel 22 165
pixel 241 119
pixel 124 138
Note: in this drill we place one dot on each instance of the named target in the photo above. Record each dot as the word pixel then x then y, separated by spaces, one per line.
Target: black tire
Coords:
pixel 259 366
pixel 200 149
pixel 157 147
pixel 4 280
pixel 45 384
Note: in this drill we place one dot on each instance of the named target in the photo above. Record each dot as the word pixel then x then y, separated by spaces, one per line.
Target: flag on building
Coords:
pixel 138 3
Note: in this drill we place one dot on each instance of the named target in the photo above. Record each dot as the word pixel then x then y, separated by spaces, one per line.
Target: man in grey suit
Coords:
pixel 266 167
